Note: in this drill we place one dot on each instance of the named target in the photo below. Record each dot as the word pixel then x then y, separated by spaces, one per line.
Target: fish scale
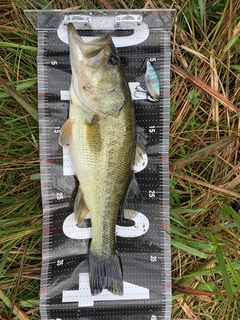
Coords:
pixel 144 249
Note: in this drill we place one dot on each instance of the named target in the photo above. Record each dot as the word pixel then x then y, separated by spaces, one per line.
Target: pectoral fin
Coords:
pixel 80 208
pixel 65 134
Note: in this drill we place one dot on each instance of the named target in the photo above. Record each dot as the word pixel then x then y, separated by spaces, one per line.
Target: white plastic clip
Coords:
pixel 127 21
pixel 80 21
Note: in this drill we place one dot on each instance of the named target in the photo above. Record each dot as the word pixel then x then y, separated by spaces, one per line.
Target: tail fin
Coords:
pixel 105 273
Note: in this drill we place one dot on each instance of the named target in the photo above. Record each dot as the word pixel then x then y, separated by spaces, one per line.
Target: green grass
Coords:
pixel 204 155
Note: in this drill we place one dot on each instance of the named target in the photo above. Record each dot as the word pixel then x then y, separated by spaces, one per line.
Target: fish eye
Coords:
pixel 113 60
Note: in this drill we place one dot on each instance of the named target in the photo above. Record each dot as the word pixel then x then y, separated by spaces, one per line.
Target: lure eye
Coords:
pixel 113 60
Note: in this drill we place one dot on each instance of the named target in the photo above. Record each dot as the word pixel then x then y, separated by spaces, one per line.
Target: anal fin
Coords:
pixel 129 214
pixel 80 208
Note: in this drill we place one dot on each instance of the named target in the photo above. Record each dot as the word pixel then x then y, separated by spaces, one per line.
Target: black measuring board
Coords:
pixel 144 243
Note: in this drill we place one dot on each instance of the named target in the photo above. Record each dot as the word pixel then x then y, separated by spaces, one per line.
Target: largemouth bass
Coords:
pixel 101 134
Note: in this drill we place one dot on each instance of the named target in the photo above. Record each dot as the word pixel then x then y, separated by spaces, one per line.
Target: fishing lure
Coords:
pixel 152 82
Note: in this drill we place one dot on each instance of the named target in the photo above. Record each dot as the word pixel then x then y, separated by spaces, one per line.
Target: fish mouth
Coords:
pixel 84 57
pixel 88 49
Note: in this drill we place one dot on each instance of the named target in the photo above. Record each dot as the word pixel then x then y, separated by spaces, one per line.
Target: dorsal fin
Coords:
pixel 141 145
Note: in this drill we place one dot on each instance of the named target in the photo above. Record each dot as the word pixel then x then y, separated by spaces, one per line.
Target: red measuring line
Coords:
pixel 49 229
pixel 162 225
pixel 162 159
pixel 43 291
pixel 46 160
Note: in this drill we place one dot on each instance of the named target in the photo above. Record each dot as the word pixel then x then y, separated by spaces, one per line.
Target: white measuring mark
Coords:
pixel 140 227
pixel 84 297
